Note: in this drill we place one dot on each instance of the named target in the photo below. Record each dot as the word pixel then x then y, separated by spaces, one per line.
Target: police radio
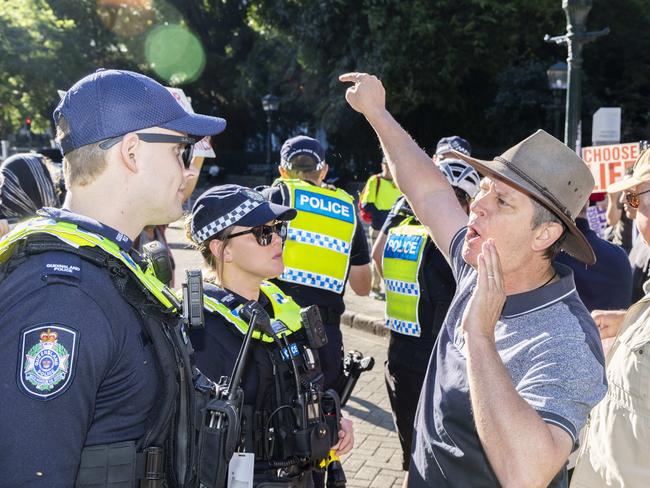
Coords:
pixel 313 325
pixel 193 299
pixel 220 432
pixel 317 427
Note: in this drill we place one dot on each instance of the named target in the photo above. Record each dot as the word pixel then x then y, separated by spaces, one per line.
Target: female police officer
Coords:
pixel 240 236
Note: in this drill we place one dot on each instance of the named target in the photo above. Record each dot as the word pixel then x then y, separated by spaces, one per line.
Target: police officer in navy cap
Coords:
pixel 92 355
pixel 326 246
pixel 240 236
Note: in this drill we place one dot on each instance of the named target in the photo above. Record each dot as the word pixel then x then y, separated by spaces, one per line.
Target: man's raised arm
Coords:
pixel 425 187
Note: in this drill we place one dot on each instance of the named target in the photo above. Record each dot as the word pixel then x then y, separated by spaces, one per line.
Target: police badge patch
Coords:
pixel 47 360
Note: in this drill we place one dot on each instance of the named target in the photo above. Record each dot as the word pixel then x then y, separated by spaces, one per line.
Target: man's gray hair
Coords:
pixel 542 215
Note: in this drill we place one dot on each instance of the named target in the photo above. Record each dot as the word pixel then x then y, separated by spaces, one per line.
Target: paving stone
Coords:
pixel 382 481
pixel 366 473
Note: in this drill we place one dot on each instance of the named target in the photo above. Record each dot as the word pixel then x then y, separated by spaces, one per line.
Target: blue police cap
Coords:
pixel 305 146
pixel 110 103
pixel 447 144
pixel 223 206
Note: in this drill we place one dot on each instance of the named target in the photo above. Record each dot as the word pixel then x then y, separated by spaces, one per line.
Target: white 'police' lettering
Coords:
pixel 403 246
pixel 329 206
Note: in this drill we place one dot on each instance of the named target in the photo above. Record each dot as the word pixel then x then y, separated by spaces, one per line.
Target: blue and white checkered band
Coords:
pixel 403 327
pixel 227 220
pixel 319 240
pixel 312 279
pixel 279 298
pixel 403 287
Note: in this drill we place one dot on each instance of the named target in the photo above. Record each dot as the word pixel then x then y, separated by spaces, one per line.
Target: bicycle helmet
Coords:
pixel 460 175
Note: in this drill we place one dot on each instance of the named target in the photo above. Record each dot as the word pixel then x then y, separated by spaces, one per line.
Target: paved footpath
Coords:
pixel 376 460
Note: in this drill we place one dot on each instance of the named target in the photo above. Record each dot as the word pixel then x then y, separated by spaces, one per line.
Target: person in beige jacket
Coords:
pixel 617 438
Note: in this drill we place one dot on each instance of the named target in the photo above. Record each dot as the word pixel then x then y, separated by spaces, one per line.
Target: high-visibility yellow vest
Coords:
pixel 381 192
pixel 319 239
pixel 76 238
pixel 401 263
pixel 284 309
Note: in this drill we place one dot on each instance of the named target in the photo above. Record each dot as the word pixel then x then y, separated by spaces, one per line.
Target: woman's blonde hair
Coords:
pixel 213 265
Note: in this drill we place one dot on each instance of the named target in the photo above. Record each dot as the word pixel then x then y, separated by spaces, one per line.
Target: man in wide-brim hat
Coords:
pixel 518 363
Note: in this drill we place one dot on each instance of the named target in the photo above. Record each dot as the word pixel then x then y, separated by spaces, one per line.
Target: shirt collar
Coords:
pixel 89 224
pixel 530 301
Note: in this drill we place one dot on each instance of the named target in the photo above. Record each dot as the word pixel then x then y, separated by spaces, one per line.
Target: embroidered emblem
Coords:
pixel 47 359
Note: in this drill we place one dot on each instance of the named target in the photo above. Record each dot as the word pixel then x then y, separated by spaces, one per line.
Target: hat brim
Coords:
pixel 624 184
pixel 575 243
pixel 267 212
pixel 197 125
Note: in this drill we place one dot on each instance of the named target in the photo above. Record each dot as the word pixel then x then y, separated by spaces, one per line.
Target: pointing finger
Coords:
pixel 351 77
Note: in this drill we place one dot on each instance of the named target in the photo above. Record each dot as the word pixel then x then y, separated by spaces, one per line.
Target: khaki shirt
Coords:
pixel 616 450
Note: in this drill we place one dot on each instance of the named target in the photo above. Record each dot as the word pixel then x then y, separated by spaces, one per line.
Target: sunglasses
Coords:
pixel 188 141
pixel 632 198
pixel 264 233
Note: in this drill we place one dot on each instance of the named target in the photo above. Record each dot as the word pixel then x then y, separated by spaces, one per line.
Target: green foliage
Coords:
pixel 471 67
pixel 31 38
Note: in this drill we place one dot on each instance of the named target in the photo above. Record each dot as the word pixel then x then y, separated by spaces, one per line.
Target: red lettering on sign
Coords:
pixel 608 163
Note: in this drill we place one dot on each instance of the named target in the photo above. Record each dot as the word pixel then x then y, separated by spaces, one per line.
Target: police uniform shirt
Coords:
pixel 307 295
pixel 437 288
pixel 75 367
pixel 217 346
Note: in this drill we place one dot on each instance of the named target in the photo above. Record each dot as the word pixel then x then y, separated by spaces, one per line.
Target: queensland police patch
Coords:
pixel 47 360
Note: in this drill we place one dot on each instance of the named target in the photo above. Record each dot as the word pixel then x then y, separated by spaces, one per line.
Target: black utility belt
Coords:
pixel 119 465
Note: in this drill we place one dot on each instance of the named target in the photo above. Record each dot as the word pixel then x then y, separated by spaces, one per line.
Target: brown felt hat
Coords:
pixel 548 171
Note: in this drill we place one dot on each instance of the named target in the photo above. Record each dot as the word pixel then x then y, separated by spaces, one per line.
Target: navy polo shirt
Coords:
pixel 308 295
pixel 551 348
pixel 607 285
pixel 75 367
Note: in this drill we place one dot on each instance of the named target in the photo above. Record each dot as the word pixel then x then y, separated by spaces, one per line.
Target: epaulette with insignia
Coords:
pixel 61 264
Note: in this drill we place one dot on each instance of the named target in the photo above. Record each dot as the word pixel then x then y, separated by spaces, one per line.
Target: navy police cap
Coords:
pixel 223 206
pixel 302 146
pixel 447 144
pixel 110 103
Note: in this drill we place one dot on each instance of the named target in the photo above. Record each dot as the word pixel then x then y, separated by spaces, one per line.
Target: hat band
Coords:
pixel 225 221
pixel 545 193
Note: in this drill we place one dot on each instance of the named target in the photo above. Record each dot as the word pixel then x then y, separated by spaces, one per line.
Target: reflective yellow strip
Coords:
pixel 75 237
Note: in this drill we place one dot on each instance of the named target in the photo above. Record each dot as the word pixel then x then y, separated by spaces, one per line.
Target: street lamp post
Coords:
pixel 557 82
pixel 270 104
pixel 576 36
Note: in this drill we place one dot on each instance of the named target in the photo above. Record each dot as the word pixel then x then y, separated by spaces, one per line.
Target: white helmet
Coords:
pixel 460 174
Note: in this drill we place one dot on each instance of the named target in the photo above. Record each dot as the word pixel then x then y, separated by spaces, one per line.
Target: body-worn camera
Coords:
pixel 158 256
pixel 193 299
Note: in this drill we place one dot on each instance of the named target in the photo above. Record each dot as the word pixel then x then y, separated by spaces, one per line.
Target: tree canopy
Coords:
pixel 470 67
